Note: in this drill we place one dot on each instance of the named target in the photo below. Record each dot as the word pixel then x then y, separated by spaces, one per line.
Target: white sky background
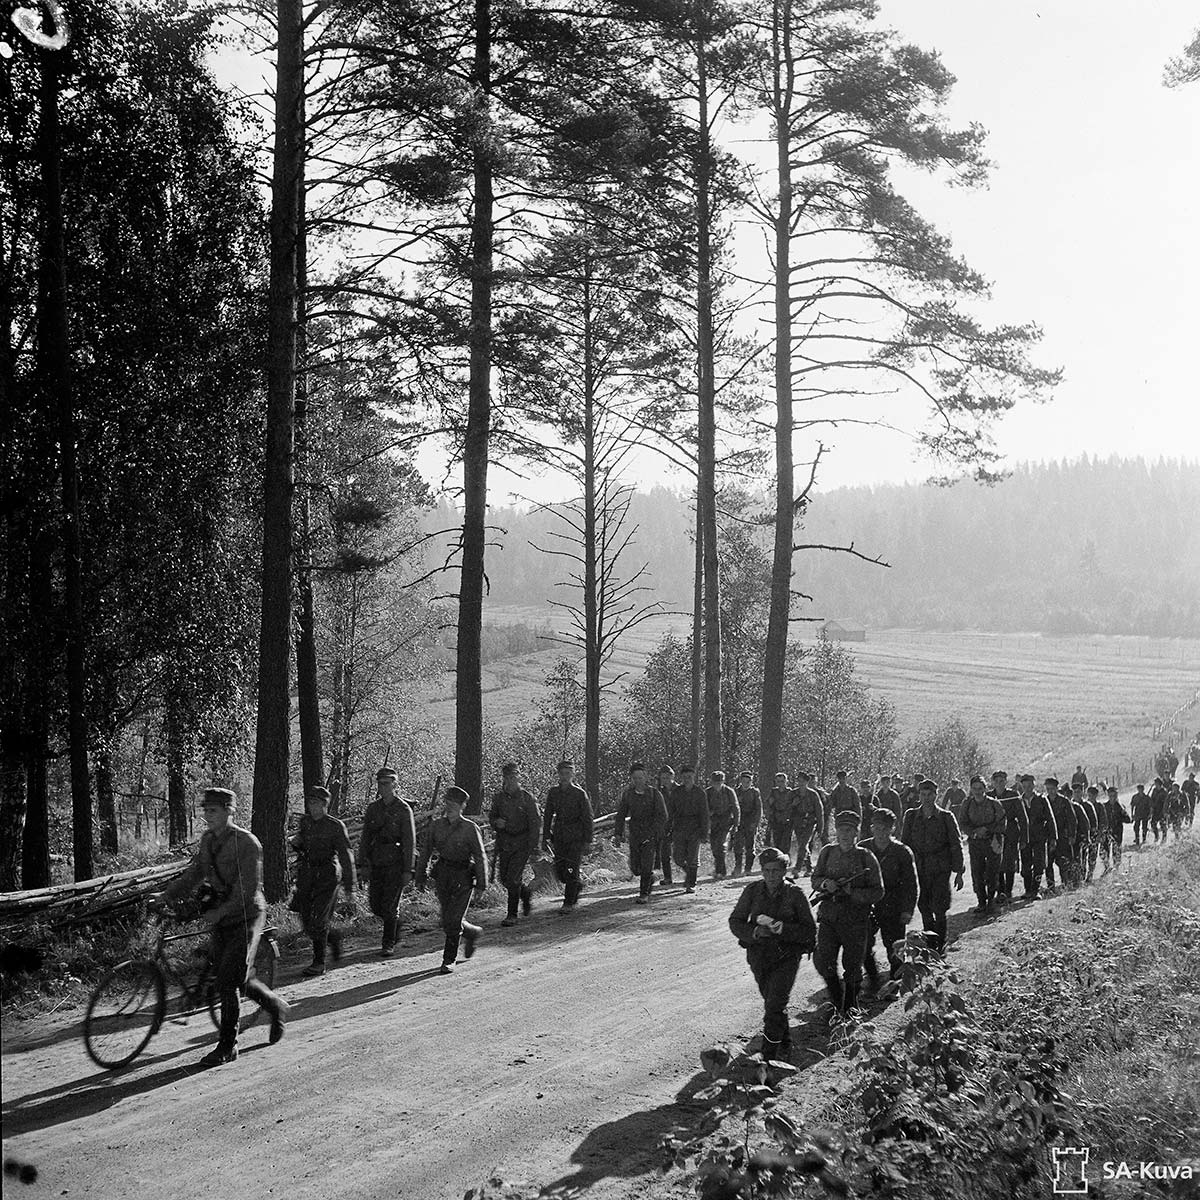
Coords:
pixel 1089 227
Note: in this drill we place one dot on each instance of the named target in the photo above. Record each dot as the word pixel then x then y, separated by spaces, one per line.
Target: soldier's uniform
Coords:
pixel 459 866
pixel 844 917
pixel 779 818
pixel 1043 831
pixel 953 799
pixel 723 816
pixel 898 870
pixel 516 842
pixel 689 827
pixel 774 958
pixel 1190 789
pixel 1118 818
pixel 231 865
pixel 1065 822
pixel 889 798
pixel 1176 807
pixel 937 850
pixel 388 848
pixel 1158 811
pixel 1140 808
pixel 567 831
pixel 646 815
pixel 662 851
pixel 844 798
pixel 746 834
pixel 1085 828
pixel 808 819
pixel 1016 839
pixel 1100 842
pixel 984 824
pixel 324 859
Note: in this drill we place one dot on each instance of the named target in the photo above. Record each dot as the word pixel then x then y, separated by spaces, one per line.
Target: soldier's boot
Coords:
pixel 220 1054
pixel 850 993
pixel 317 966
pixel 450 950
pixel 833 985
pixel 389 937
pixel 526 899
pixel 871 970
pixel 336 939
pixel 470 935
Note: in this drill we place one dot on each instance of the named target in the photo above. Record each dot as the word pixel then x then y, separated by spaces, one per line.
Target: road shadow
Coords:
pixel 85 1097
pixel 630 1146
pixel 20 1043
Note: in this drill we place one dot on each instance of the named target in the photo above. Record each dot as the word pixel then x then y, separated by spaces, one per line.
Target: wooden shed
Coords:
pixel 844 631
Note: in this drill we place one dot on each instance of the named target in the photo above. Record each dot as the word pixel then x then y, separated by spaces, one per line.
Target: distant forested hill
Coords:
pixel 1080 547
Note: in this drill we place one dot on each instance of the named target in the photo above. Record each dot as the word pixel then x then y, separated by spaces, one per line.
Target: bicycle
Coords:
pixel 128 1006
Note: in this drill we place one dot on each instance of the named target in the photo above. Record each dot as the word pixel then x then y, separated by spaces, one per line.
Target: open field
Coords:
pixel 1041 703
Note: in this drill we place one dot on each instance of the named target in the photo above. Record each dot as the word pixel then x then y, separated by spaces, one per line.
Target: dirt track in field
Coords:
pixel 558 1056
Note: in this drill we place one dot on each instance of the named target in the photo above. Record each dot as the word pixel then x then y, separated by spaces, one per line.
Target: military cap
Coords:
pixel 864 784
pixel 883 816
pixel 566 762
pixel 1050 781
pixel 927 785
pixel 636 766
pixel 688 769
pixel 455 795
pixel 509 768
pixel 1093 790
pixel 847 819
pixel 772 854
pixel 803 774
pixel 718 774
pixel 666 769
pixel 746 775
pixel 386 773
pixel 318 793
pixel 221 796
pixel 841 774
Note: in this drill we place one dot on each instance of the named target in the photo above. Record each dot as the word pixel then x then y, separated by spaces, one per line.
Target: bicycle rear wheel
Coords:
pixel 265 958
pixel 124 1013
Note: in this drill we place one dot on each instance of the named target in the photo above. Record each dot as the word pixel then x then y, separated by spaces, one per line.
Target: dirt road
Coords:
pixel 559 1055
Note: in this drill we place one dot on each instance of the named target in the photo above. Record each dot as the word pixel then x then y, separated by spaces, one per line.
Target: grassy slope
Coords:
pixel 1041 703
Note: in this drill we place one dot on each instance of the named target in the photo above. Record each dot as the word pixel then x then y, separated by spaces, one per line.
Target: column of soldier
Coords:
pixel 863 889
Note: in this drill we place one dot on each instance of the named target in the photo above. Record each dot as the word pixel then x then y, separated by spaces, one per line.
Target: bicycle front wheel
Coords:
pixel 124 1013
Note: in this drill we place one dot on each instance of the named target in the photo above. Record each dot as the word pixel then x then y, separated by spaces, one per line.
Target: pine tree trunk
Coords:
pixel 468 700
pixel 140 781
pixel 312 756
pixel 106 802
pixel 592 600
pixel 271 750
pixel 54 368
pixel 35 844
pixel 775 663
pixel 697 641
pixel 177 822
pixel 706 415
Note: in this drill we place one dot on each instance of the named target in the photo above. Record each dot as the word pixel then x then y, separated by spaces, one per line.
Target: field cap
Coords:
pixel 883 816
pixel 316 792
pixel 566 762
pixel 847 819
pixel 772 854
pixel 454 795
pixel 385 773
pixel 509 768
pixel 222 797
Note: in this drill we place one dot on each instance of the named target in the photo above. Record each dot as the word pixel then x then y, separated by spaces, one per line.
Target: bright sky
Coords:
pixel 1090 225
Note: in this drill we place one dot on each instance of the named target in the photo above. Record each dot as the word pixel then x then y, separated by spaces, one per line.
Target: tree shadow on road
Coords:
pixel 85 1097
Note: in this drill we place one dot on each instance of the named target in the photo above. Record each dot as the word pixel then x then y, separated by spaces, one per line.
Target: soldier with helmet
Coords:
pixel 567 831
